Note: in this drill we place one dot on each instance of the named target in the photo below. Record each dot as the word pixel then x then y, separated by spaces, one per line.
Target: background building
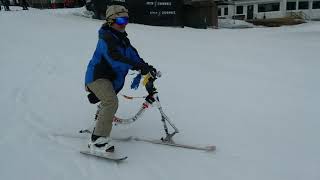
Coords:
pixel 265 9
pixel 193 13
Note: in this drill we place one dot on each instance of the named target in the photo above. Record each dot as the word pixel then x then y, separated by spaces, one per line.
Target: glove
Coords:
pixel 145 68
pixel 93 99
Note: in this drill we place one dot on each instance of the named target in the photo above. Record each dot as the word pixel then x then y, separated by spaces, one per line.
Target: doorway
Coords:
pixel 250 12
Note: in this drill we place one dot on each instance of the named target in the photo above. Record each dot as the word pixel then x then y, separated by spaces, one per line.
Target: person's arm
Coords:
pixel 114 52
pixel 135 61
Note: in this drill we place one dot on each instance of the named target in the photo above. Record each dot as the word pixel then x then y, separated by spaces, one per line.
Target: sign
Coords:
pixel 161 7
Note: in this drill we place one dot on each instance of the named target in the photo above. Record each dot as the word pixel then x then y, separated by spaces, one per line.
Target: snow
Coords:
pixel 233 24
pixel 253 93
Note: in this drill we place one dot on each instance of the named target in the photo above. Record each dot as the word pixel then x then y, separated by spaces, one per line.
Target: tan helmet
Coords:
pixel 115 11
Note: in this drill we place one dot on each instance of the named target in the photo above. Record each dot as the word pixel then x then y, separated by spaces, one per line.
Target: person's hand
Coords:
pixel 145 68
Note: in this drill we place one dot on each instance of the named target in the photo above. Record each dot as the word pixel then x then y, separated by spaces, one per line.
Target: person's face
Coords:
pixel 120 23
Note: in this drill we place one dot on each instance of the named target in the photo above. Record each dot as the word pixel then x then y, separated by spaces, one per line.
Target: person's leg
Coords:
pixel 104 91
pixel 7 4
pixel 24 5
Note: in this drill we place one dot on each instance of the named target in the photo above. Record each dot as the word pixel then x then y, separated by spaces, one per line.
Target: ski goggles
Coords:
pixel 121 20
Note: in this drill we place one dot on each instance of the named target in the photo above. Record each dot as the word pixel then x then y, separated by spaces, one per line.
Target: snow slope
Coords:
pixel 253 93
pixel 234 24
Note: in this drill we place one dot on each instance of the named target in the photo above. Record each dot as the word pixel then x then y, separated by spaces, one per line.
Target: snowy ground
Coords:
pixel 253 93
pixel 234 24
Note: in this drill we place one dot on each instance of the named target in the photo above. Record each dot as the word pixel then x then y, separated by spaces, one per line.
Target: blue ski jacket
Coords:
pixel 113 57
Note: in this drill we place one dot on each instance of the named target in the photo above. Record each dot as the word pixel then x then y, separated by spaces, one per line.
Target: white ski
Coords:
pixel 148 140
pixel 110 156
pixel 158 141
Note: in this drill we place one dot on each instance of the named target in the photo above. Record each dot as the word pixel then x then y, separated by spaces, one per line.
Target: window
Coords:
pixel 269 7
pixel 303 5
pixel 219 11
pixel 239 9
pixel 316 5
pixel 291 5
pixel 226 11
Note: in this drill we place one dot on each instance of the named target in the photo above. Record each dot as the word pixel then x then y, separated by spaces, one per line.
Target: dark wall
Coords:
pixel 45 4
pixel 164 12
pixel 151 12
pixel 200 15
pixel 160 12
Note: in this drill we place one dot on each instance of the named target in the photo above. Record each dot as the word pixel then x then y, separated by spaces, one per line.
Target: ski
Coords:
pixel 208 148
pixel 109 156
pixel 161 142
pixel 174 144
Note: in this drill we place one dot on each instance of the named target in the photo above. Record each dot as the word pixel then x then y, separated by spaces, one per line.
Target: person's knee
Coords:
pixel 115 103
pixel 110 102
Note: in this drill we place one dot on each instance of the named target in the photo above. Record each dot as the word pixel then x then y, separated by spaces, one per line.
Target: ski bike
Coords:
pixel 152 100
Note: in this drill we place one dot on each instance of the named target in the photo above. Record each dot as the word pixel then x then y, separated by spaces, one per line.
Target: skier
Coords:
pixel 113 57
pixel 6 4
pixel 24 4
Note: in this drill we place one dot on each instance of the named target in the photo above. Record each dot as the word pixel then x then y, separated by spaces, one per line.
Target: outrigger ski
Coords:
pixel 157 141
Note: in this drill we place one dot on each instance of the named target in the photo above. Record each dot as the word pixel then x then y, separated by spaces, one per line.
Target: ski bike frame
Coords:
pixel 152 100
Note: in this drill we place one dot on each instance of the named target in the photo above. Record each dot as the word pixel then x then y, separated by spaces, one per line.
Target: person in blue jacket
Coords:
pixel 106 72
pixel 24 4
pixel 6 4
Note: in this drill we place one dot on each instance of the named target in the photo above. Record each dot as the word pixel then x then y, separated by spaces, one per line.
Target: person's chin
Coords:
pixel 122 29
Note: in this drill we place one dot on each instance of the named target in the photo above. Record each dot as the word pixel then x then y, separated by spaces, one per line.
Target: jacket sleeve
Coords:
pixel 114 52
pixel 135 55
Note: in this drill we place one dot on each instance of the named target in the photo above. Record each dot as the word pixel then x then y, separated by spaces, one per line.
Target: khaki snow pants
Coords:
pixel 104 91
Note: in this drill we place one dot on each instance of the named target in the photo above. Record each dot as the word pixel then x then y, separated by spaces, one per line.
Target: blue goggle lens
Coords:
pixel 122 20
